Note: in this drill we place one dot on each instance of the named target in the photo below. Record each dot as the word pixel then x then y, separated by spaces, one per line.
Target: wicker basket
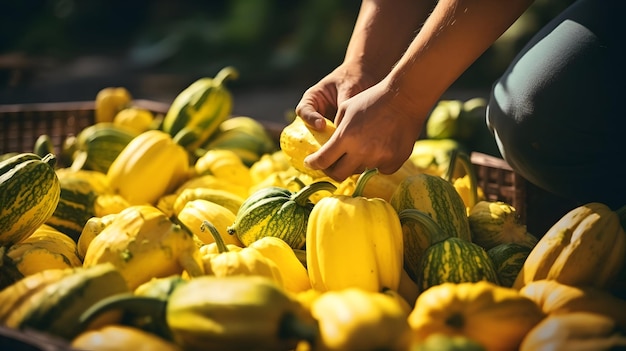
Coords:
pixel 22 124
pixel 500 182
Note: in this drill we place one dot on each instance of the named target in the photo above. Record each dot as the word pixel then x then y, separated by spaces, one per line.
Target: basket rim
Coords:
pixel 75 105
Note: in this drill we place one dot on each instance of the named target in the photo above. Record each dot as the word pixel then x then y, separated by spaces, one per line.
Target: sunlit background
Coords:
pixel 67 50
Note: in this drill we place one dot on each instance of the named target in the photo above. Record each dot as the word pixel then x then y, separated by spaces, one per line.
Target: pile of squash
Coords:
pixel 198 231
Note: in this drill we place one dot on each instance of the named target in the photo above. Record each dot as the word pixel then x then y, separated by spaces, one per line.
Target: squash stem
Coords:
pixel 302 196
pixel 178 222
pixel 297 181
pixel 224 74
pixel 190 265
pixel 50 159
pixel 362 181
pixel 451 166
pixel 221 245
pixel 435 233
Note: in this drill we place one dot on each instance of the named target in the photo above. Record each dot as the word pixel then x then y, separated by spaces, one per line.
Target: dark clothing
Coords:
pixel 558 112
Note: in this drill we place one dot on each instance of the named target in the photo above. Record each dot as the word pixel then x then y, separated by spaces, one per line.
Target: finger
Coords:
pixel 389 168
pixel 326 156
pixel 311 116
pixel 344 167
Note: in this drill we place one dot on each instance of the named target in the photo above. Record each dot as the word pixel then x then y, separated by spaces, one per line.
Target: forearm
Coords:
pixel 383 31
pixel 453 37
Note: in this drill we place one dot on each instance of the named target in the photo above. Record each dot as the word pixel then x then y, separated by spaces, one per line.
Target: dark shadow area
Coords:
pixel 67 50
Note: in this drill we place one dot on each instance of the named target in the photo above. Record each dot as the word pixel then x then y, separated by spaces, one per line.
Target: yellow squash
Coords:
pixel 219 196
pixel 223 260
pixel 587 246
pixel 109 101
pixel 379 184
pixel 46 248
pixel 143 244
pixel 93 227
pixel 496 317
pixel 298 140
pixel 224 164
pixel 353 319
pixel 294 275
pixel 150 166
pixel 121 337
pixel 574 331
pixel 558 298
pixel 135 119
pixel 195 212
pixel 354 241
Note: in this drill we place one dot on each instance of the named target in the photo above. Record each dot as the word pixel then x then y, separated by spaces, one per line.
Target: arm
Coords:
pixel 454 36
pixel 383 31
pixel 378 127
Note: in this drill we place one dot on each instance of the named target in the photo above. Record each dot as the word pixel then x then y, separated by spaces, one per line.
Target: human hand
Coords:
pixel 375 129
pixel 322 99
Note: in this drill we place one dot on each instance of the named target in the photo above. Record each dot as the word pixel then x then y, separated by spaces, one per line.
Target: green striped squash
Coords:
pixel 75 207
pixel 56 309
pixel 455 260
pixel 98 145
pixel 29 193
pixel 437 198
pixel 448 259
pixel 276 211
pixel 245 136
pixel 508 260
pixel 201 108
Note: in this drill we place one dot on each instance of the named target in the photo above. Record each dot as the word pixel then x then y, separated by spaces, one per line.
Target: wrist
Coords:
pixel 410 97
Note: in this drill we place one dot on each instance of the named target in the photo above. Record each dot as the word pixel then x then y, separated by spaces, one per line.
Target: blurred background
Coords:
pixel 67 50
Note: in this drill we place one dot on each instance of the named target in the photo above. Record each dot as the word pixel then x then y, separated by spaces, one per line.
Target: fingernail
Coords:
pixel 319 124
pixel 306 163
